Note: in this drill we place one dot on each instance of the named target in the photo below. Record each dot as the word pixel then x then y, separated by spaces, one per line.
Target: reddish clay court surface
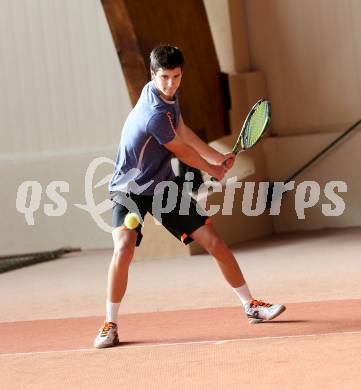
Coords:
pixel 310 346
pixel 182 326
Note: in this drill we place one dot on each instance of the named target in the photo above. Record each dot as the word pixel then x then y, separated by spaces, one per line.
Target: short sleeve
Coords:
pixel 161 127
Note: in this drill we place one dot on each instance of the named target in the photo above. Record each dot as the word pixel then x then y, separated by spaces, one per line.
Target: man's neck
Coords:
pixel 166 100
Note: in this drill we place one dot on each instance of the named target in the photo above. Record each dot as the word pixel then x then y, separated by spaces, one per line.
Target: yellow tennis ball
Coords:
pixel 131 220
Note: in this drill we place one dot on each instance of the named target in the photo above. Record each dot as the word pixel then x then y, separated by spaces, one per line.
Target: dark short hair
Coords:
pixel 167 57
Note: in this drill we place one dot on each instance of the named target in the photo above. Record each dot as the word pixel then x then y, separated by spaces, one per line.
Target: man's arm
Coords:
pixel 191 139
pixel 190 156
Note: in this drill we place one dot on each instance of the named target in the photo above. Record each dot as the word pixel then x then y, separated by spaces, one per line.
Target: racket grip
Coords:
pixel 225 165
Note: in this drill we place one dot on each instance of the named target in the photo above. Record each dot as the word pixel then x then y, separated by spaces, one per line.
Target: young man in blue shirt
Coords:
pixel 153 133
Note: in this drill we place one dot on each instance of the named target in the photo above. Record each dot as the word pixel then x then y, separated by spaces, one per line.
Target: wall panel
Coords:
pixel 310 53
pixel 61 81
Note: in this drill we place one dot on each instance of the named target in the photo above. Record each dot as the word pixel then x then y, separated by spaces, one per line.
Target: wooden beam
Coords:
pixel 127 47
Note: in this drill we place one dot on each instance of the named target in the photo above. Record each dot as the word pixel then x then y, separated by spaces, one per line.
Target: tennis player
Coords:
pixel 153 133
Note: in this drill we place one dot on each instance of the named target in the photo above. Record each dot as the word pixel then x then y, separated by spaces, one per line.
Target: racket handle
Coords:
pixel 225 165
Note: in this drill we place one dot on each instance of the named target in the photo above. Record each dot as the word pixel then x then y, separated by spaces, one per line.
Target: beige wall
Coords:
pixel 60 79
pixel 228 25
pixel 310 52
pixel 309 55
pixel 341 165
pixel 63 101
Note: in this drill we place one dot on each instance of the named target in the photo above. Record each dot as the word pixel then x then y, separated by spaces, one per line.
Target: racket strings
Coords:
pixel 256 125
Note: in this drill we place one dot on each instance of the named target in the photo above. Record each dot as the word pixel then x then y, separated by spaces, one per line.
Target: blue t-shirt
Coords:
pixel 141 156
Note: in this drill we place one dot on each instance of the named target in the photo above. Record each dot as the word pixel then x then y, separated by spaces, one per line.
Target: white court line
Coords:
pixel 186 343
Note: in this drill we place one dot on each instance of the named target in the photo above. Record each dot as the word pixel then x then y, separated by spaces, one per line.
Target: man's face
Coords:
pixel 167 81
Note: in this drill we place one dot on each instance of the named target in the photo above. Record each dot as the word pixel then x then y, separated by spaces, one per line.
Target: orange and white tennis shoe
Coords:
pixel 258 311
pixel 108 336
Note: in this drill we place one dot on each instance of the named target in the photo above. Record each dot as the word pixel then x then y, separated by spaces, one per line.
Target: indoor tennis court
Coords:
pixel 190 331
pixel 71 72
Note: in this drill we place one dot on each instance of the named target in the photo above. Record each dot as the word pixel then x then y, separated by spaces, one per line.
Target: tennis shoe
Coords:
pixel 258 311
pixel 108 336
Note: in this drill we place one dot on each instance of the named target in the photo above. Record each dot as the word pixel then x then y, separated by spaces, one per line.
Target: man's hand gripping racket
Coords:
pixel 253 129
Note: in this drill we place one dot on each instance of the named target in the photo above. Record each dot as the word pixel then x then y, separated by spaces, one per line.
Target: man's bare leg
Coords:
pixel 124 245
pixel 209 239
pixel 256 311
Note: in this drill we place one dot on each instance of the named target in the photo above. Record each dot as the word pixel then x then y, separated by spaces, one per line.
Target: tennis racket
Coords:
pixel 254 127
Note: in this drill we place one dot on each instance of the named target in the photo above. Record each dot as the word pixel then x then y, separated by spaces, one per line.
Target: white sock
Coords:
pixel 112 311
pixel 243 294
